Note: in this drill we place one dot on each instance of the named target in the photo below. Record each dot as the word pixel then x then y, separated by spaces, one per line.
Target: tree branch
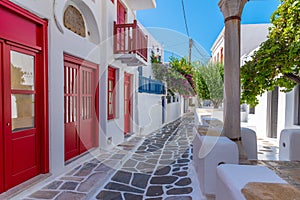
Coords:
pixel 292 77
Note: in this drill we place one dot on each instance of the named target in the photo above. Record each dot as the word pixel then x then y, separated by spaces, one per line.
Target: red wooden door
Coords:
pixel 127 103
pixel 121 13
pixel 21 136
pixel 79 106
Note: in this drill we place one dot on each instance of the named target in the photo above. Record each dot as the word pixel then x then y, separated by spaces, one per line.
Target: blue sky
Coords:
pixel 204 19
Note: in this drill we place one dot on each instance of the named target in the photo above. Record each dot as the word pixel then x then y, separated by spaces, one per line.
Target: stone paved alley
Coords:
pixel 157 166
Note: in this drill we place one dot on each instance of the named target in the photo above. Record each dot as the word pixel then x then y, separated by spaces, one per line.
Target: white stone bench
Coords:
pixel 208 153
pixel 232 178
pixel 249 142
pixel 289 148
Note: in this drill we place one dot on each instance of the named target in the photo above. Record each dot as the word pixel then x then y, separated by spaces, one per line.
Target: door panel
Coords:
pixel 87 117
pixel 71 110
pixel 127 103
pixel 22 140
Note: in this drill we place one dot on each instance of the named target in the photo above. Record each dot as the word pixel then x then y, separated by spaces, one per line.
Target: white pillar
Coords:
pixel 232 10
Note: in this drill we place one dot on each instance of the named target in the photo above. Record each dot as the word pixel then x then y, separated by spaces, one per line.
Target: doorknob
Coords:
pixel 7 124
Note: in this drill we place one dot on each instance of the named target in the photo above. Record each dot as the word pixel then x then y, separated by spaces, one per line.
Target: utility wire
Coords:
pixel 199 51
pixel 184 16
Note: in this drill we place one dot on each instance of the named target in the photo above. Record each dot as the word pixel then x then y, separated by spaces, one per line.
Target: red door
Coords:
pixel 80 106
pixel 127 102
pixel 121 32
pixel 22 140
pixel 23 96
pixel 121 13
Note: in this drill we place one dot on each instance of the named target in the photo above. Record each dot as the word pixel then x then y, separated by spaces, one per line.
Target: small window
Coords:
pixel 111 104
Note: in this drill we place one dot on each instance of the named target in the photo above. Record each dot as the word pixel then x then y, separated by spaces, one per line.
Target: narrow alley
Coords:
pixel 157 166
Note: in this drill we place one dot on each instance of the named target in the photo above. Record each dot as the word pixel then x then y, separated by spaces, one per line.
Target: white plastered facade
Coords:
pixel 96 47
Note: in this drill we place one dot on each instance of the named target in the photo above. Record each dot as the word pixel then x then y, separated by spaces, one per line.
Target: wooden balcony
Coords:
pixel 130 44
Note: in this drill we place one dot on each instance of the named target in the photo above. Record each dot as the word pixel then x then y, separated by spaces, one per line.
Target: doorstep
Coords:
pixel 24 186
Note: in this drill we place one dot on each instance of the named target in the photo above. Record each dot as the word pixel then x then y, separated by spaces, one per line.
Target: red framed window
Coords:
pixel 111 104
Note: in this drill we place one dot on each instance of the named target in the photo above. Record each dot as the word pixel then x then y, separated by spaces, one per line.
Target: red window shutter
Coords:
pixel 111 105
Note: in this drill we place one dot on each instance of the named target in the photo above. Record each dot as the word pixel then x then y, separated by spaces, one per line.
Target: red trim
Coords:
pixel 1 122
pixel 128 103
pixel 97 111
pixel 45 114
pixel 6 112
pixel 111 77
pixel 22 12
pixel 31 48
pixel 79 61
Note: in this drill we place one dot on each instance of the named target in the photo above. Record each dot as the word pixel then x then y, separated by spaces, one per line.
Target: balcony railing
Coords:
pixel 130 39
pixel 149 85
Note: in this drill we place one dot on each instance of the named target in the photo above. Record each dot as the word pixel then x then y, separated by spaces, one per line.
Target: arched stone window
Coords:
pixel 74 21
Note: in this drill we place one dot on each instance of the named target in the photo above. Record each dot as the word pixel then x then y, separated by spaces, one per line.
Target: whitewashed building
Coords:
pixel 276 110
pixel 252 35
pixel 70 83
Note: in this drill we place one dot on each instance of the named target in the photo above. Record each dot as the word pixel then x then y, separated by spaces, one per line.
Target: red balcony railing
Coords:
pixel 130 39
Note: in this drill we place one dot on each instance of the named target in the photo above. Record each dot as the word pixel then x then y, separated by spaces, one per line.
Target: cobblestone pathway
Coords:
pixel 155 167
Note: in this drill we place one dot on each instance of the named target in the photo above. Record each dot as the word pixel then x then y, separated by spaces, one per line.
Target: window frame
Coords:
pixel 111 77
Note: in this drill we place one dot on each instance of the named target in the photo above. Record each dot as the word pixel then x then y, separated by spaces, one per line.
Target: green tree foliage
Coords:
pixel 277 62
pixel 154 58
pixel 209 82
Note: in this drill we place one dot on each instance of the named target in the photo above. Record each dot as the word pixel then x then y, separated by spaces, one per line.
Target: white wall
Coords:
pixel 289 111
pixel 150 112
pixel 173 111
pixel 260 116
pixel 281 113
